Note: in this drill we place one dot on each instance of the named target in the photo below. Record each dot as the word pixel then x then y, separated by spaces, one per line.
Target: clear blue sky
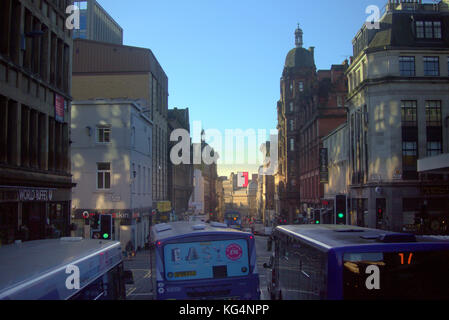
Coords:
pixel 224 58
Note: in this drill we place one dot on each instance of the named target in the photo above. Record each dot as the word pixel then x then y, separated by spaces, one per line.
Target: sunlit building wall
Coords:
pixel 337 146
pixel 111 164
pixel 104 70
pixel 398 102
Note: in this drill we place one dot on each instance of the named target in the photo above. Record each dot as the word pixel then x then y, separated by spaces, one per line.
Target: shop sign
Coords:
pixel 164 206
pixel 59 108
pixel 35 195
pixel 443 190
pixel 324 166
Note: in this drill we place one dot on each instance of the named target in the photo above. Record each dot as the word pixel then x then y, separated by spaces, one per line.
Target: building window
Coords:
pixel 409 140
pixel 103 134
pixel 428 30
pixel 103 176
pixel 339 101
pixel 292 107
pixel 301 86
pixel 434 128
pixel 408 110
pixel 409 155
pixel 292 144
pixel 292 125
pixel 407 66
pixel 431 66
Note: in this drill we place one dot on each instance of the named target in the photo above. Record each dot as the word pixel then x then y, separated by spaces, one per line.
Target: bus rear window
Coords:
pixel 206 260
pixel 396 275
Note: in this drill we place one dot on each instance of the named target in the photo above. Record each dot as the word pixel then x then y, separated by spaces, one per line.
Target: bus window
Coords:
pixel 396 275
pixel 206 260
pixel 110 286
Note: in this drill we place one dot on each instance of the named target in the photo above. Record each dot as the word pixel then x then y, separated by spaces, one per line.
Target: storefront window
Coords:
pixel 57 226
pixel 8 223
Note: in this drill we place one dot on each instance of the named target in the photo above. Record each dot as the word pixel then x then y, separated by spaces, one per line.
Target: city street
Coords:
pixel 139 265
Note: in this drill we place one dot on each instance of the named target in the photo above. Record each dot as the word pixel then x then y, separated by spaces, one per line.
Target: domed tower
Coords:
pixel 297 85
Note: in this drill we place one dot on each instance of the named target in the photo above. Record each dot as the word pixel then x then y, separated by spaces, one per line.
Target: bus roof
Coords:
pixel 172 230
pixel 335 236
pixel 25 263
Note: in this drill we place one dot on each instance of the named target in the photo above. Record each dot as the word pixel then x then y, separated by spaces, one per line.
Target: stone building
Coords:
pixel 398 115
pixel 180 176
pixel 111 166
pixel 110 71
pixel 311 106
pixel 96 24
pixel 35 96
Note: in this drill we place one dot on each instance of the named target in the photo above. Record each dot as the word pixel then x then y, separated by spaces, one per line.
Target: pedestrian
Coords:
pixel 129 249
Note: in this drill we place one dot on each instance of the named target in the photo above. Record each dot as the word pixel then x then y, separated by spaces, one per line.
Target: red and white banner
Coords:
pixel 59 108
pixel 242 179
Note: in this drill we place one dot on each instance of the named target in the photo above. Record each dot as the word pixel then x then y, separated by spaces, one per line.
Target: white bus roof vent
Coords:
pixel 162 227
pixel 71 239
pixel 199 227
pixel 219 225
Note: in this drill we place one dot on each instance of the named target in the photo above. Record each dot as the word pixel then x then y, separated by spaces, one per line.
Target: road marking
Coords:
pixel 148 275
pixel 131 291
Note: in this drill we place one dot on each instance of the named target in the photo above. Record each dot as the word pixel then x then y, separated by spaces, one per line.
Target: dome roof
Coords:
pixel 300 58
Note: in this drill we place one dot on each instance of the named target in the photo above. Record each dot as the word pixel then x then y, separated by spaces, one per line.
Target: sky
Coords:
pixel 224 58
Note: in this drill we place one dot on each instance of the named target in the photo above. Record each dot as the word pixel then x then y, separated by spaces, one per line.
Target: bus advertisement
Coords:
pixel 192 261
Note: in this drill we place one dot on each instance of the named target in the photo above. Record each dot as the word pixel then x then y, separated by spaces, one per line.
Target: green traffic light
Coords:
pixel 341 215
pixel 317 222
pixel 105 236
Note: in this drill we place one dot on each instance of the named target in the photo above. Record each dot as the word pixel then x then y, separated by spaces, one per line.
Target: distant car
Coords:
pixel 259 229
pixel 268 231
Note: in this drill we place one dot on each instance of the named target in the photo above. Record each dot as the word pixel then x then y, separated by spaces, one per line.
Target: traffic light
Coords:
pixel 340 209
pixel 317 216
pixel 95 222
pixel 106 227
pixel 380 213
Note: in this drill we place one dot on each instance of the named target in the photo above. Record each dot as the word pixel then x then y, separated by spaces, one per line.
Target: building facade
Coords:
pixel 336 145
pixel 180 176
pixel 35 96
pixel 196 201
pixel 111 165
pixel 110 71
pixel 96 24
pixel 311 106
pixel 398 110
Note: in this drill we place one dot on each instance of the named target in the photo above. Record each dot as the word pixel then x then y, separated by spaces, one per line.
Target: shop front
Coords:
pixel 127 225
pixel 28 214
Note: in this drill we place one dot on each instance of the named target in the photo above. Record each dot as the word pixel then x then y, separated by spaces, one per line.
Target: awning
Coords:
pixel 438 164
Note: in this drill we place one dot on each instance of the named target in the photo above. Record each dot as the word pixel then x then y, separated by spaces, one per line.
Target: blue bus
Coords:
pixel 198 261
pixel 63 269
pixel 233 219
pixel 336 262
